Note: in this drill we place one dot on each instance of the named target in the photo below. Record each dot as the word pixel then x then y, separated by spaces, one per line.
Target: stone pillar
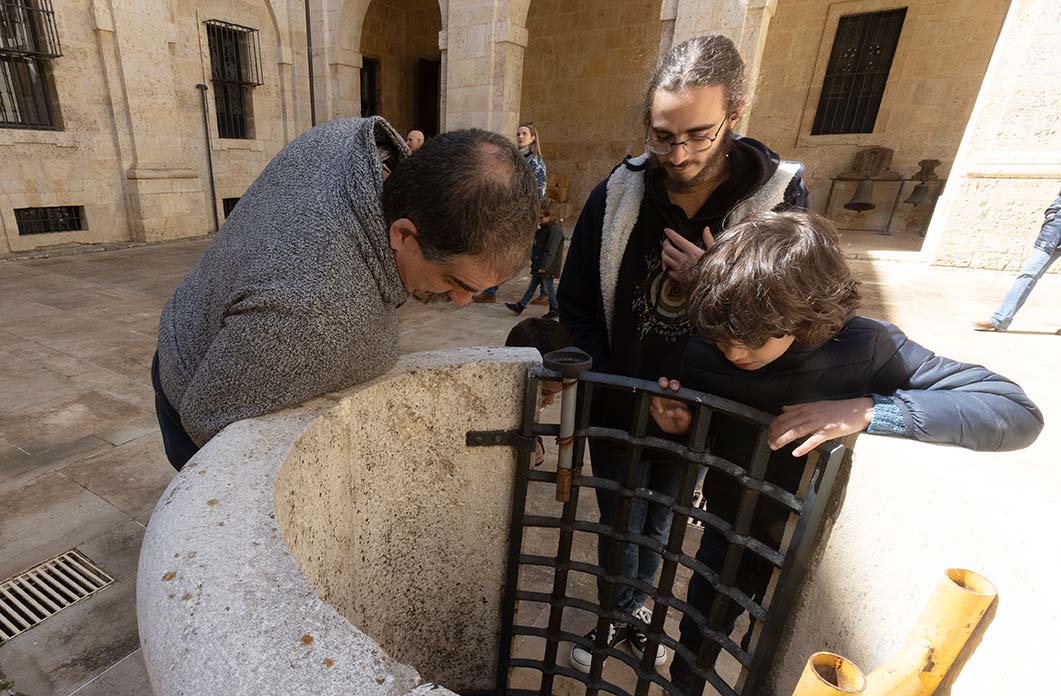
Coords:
pixel 484 64
pixel 1008 166
pixel 699 17
pixel 752 45
pixel 163 187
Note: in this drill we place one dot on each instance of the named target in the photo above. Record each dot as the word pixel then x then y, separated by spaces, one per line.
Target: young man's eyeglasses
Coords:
pixel 692 144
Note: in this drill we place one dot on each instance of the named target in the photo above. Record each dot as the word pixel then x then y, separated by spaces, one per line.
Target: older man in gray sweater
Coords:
pixel 299 293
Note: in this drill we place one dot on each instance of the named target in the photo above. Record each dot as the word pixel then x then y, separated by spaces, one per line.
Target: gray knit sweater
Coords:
pixel 298 294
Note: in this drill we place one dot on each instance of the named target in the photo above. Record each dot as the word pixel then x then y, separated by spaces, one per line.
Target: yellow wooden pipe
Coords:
pixel 952 614
pixel 828 674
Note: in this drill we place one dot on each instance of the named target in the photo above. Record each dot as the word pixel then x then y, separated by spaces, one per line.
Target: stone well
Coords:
pixel 353 545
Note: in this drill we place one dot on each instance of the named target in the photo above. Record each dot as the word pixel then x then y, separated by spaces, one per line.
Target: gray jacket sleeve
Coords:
pixel 944 401
pixel 269 354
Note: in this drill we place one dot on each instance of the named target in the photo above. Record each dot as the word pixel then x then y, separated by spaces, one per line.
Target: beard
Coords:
pixel 424 297
pixel 712 168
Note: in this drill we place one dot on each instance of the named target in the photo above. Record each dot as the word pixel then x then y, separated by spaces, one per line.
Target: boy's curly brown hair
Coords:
pixel 772 275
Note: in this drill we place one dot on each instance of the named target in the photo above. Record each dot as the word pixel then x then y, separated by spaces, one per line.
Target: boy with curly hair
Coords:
pixel 774 305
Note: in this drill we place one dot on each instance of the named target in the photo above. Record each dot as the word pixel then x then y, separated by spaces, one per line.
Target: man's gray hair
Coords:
pixel 699 62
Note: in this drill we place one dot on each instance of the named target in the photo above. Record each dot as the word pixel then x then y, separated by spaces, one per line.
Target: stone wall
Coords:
pixel 584 76
pixel 936 73
pixel 132 146
pixel 1009 166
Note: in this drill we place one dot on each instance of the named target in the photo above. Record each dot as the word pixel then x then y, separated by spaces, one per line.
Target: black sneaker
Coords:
pixel 582 658
pixel 551 314
pixel 515 307
pixel 639 641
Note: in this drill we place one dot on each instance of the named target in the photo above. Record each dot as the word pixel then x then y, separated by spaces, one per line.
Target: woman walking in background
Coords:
pixel 527 141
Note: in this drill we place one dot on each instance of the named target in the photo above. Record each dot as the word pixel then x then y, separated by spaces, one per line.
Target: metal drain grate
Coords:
pixel 45 590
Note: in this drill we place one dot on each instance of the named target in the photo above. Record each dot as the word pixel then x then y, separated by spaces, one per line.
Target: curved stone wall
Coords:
pixel 352 545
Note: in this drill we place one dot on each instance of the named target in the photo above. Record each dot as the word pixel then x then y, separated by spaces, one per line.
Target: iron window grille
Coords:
pixel 857 72
pixel 370 87
pixel 758 497
pixel 60 218
pixel 229 204
pixel 236 69
pixel 28 41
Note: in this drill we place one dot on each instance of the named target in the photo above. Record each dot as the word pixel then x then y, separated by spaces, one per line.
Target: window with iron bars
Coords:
pixel 57 218
pixel 236 69
pixel 28 42
pixel 857 72
pixel 228 205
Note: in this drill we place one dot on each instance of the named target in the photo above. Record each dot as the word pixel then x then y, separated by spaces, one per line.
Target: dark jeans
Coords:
pixel 179 446
pixel 753 578
pixel 657 473
pixel 546 283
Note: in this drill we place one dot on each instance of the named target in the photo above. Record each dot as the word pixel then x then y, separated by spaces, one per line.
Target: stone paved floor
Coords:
pixel 81 463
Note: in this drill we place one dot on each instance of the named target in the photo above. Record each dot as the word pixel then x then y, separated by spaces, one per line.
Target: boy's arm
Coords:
pixel 931 398
pixel 581 306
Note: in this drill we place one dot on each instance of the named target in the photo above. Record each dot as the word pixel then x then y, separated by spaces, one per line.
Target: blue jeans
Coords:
pixel 655 472
pixel 490 291
pixel 1038 263
pixel 546 283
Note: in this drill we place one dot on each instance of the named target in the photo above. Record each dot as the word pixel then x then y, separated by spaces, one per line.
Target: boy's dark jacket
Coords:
pixel 941 400
pixel 546 251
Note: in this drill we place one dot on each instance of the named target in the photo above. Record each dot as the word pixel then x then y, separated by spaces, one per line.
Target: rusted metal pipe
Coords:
pixel 570 363
pixel 829 674
pixel 952 614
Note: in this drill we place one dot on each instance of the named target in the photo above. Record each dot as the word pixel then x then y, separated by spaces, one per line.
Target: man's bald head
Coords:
pixel 415 140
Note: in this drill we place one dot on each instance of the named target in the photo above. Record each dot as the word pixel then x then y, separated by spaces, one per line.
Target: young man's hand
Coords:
pixel 672 416
pixel 680 255
pixel 821 420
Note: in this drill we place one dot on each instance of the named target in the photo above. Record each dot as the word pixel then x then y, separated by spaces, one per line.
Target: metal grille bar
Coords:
pixel 59 218
pixel 236 68
pixel 46 589
pixel 857 73
pixel 27 29
pixel 801 508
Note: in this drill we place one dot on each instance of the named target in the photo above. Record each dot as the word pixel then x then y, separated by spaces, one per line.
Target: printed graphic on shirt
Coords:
pixel 660 303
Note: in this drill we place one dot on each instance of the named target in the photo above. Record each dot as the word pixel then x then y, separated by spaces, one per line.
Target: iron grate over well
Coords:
pixel 552 597
pixel 44 590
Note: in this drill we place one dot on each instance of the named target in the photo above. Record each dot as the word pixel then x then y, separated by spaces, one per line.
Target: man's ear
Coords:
pixel 735 115
pixel 402 231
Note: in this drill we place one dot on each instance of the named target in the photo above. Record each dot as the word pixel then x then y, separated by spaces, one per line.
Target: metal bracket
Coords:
pixel 499 438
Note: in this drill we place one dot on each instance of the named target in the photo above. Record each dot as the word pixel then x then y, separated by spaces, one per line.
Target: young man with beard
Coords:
pixel 299 293
pixel 622 294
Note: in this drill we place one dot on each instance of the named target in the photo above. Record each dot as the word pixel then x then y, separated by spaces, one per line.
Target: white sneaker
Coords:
pixel 582 659
pixel 639 641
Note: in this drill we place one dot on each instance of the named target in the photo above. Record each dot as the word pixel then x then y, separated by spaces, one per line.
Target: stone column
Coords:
pixel 752 45
pixel 698 17
pixel 1008 166
pixel 164 190
pixel 484 64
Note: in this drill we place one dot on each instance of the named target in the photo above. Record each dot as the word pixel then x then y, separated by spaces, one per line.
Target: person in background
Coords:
pixel 529 145
pixel 545 336
pixel 1046 250
pixel 415 140
pixel 774 306
pixel 547 245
